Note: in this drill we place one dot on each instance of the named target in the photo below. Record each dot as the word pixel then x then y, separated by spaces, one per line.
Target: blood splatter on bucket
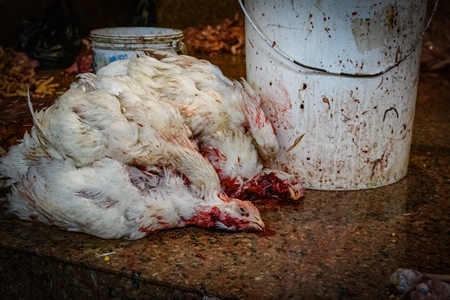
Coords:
pixel 338 79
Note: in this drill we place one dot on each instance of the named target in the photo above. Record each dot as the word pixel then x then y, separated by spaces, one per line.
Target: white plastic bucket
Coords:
pixel 338 79
pixel 118 43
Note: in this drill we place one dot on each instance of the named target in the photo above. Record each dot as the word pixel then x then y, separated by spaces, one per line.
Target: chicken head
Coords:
pixel 230 214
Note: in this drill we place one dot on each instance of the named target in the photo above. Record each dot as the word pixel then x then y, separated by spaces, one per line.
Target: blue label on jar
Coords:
pixel 118 57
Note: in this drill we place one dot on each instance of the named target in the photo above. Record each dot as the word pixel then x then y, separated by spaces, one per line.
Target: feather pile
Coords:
pixel 228 36
pixel 144 145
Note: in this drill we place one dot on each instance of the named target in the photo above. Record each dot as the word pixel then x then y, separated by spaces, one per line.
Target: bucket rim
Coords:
pixel 324 70
pixel 131 33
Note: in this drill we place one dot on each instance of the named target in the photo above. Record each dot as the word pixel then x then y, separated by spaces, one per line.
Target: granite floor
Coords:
pixel 331 245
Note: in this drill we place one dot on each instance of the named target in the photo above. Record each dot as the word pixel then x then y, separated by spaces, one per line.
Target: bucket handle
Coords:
pixel 279 51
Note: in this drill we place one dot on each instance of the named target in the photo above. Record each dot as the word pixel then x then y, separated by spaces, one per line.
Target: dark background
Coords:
pixel 92 14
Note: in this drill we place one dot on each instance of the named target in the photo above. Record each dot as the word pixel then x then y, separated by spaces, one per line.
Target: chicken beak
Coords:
pixel 296 194
pixel 293 194
pixel 256 225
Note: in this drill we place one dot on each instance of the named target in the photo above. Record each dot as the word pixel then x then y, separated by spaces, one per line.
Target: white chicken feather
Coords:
pixel 109 162
pixel 114 156
pixel 104 116
pixel 224 115
pixel 109 199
